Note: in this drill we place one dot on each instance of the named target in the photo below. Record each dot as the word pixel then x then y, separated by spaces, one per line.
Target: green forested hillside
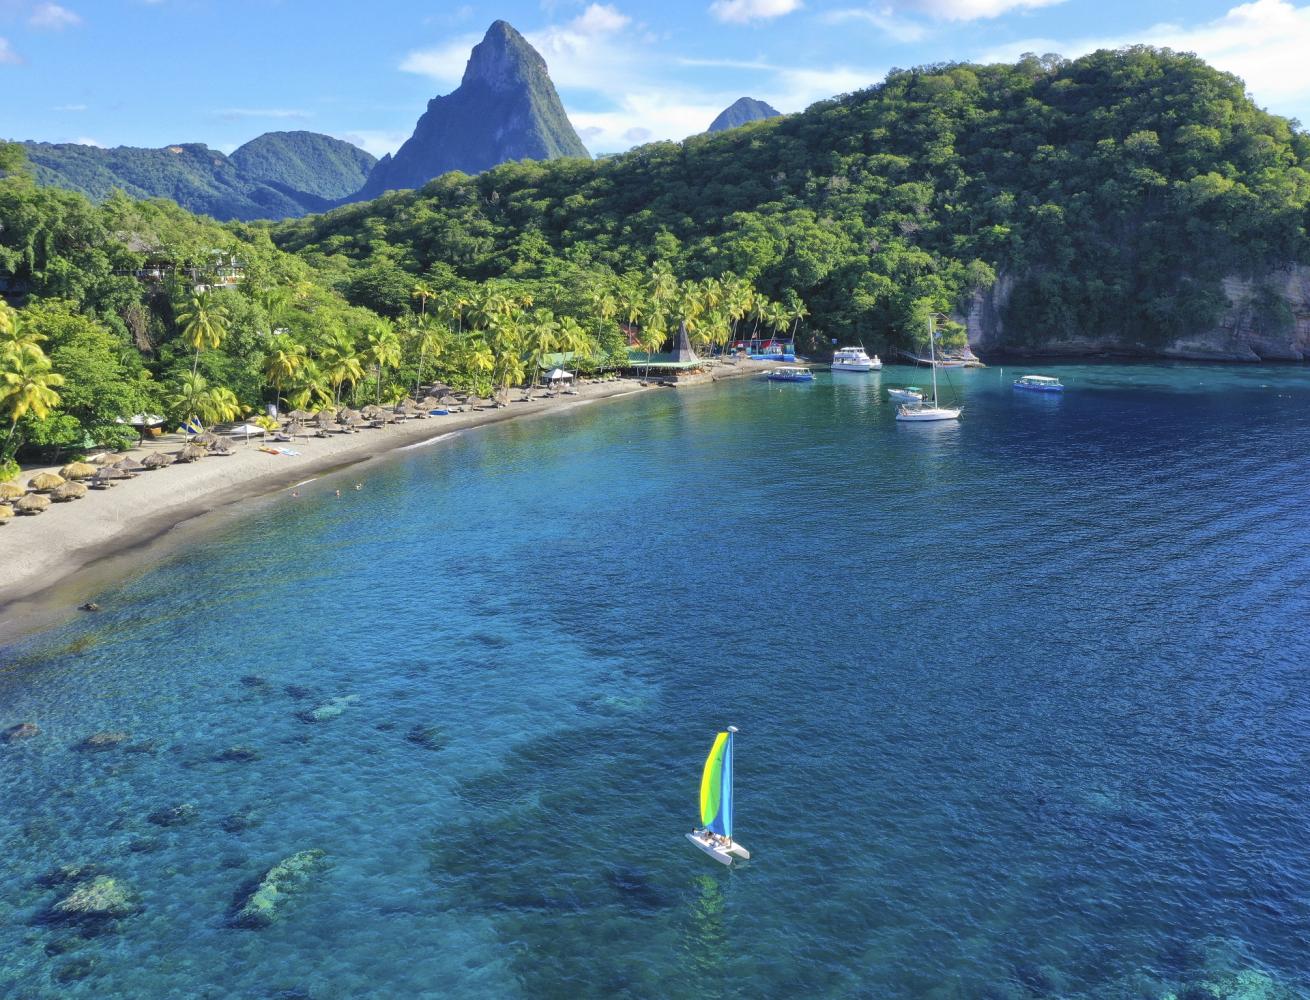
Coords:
pixel 305 163
pixel 277 176
pixel 1115 191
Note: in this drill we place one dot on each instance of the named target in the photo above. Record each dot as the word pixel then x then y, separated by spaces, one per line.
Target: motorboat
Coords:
pixel 790 375
pixel 910 394
pixel 854 359
pixel 1038 383
pixel 714 836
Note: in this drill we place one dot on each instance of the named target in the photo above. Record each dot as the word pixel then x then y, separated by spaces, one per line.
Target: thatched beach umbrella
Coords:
pixel 78 471
pixel 372 411
pixel 206 439
pixel 130 465
pixel 221 450
pixel 192 453
pixel 69 491
pixel 5 513
pixel 107 476
pixel 45 482
pixel 33 503
pixel 300 416
pixel 157 460
pixel 11 491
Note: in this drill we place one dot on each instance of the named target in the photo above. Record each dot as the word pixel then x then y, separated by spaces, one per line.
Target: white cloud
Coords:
pixel 84 141
pixel 232 114
pixel 745 11
pixel 897 29
pixel 53 17
pixel 7 54
pixel 966 10
pixel 1263 42
pixel 377 142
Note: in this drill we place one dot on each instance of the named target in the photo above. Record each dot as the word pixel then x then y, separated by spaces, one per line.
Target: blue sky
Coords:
pixel 153 72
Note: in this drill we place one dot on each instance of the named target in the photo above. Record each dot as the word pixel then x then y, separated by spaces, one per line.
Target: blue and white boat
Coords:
pixel 714 836
pixel 790 375
pixel 1038 383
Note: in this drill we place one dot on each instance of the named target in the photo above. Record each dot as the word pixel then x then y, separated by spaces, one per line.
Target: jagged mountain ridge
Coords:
pixel 276 176
pixel 743 111
pixel 505 108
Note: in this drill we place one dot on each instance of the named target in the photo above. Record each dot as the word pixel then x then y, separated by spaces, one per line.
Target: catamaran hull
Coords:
pixel 1039 388
pixel 858 366
pixel 723 855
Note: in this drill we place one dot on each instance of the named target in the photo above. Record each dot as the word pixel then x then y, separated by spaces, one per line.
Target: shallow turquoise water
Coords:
pixel 1023 707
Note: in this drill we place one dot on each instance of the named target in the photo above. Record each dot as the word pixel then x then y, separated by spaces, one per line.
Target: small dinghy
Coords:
pixel 715 836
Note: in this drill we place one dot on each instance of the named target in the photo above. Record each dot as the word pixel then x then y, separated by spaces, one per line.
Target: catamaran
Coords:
pixel 796 374
pixel 715 835
pixel 926 411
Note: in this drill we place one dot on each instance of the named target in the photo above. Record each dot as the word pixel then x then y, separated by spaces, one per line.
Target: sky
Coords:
pixel 156 72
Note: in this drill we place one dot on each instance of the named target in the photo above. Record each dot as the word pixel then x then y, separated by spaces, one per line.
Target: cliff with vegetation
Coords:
pixel 743 111
pixel 1122 195
pixel 276 176
pixel 506 108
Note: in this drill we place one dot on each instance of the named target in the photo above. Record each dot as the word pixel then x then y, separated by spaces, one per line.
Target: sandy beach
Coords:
pixel 46 560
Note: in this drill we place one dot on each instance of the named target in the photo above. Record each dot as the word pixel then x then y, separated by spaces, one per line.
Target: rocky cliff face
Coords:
pixel 506 108
pixel 742 111
pixel 1267 319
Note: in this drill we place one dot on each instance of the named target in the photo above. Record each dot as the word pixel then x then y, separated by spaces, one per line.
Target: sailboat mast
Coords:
pixel 932 360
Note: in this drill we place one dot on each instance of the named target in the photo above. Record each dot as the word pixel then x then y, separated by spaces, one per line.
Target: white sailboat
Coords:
pixel 934 411
pixel 715 835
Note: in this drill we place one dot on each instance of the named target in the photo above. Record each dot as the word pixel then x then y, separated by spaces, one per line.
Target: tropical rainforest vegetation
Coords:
pixel 1112 192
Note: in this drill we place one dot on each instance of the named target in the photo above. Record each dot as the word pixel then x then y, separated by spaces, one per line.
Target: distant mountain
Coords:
pixel 742 111
pixel 506 108
pixel 277 176
pixel 305 163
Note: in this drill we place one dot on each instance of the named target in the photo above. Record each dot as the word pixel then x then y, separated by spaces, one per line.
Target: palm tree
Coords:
pixel 543 338
pixel 27 385
pixel 204 324
pixel 429 338
pixel 191 399
pixel 285 362
pixel 340 363
pixel 220 404
pixel 422 291
pixel 383 349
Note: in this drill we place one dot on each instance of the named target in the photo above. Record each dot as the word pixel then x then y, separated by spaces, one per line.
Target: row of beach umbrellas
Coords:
pixel 76 479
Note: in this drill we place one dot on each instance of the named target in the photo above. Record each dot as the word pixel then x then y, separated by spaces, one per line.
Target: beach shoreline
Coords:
pixel 52 563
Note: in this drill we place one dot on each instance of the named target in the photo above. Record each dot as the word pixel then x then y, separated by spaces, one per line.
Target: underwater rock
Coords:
pixel 61 946
pixel 329 710
pixel 253 681
pixel 21 731
pixel 427 737
pixel 299 692
pixel 145 746
pixel 102 741
pixel 240 821
pixel 68 875
pixel 100 898
pixel 89 606
pixel 177 815
pixel 237 755
pixel 75 969
pixel 144 845
pixel 286 878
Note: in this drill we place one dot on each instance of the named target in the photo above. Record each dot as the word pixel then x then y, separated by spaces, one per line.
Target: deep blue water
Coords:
pixel 1023 706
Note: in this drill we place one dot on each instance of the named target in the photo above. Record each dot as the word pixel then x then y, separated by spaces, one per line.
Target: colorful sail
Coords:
pixel 716 787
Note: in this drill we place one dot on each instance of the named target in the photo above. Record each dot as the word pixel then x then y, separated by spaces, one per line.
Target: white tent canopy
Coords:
pixel 141 420
pixel 247 431
pixel 559 375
